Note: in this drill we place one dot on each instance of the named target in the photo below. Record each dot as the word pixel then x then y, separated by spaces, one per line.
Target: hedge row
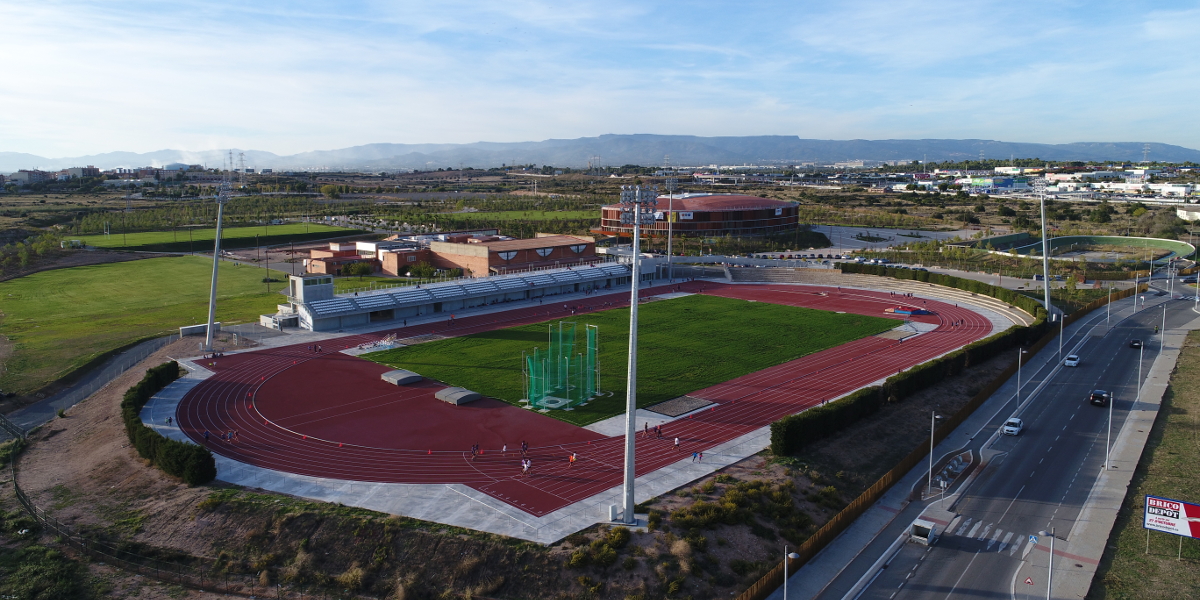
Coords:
pixel 790 434
pixel 194 464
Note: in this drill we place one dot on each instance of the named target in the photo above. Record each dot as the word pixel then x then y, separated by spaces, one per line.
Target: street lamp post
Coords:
pixel 1108 318
pixel 933 418
pixel 637 209
pixel 1019 357
pixel 786 557
pixel 1040 184
pixel 1050 565
pixel 1112 399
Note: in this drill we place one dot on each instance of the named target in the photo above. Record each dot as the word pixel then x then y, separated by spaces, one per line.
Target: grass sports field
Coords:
pixel 533 215
pixel 61 319
pixel 202 238
pixel 685 344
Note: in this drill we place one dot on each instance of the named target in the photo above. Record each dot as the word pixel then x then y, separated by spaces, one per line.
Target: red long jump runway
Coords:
pixel 326 414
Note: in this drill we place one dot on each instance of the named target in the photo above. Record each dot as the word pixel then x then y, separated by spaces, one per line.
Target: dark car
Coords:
pixel 1135 343
pixel 1098 397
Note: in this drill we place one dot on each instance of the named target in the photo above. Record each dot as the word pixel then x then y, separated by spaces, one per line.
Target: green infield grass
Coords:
pixel 60 320
pixel 684 344
pixel 201 239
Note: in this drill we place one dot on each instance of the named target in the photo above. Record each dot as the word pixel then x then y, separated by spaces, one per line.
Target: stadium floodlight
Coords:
pixel 222 197
pixel 1039 185
pixel 637 209
pixel 671 184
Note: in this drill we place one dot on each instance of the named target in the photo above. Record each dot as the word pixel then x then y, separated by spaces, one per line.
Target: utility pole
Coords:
pixel 637 209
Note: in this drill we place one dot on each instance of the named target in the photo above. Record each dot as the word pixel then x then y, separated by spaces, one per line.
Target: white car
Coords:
pixel 1071 361
pixel 1013 426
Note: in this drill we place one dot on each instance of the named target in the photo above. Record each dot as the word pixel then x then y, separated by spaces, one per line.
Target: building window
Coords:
pixel 544 252
pixel 578 248
pixel 509 255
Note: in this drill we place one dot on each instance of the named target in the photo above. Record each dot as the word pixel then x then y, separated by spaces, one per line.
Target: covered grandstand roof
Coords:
pixel 464 288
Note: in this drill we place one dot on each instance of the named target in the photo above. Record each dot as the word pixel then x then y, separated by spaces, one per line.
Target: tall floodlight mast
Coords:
pixel 222 198
pixel 637 209
pixel 672 184
pixel 1039 185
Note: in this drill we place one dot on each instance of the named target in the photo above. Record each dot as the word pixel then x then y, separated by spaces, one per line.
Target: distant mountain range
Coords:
pixel 616 150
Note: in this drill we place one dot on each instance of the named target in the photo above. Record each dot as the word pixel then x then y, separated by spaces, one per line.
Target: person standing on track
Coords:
pixel 524 468
pixel 571 460
pixel 677 444
pixel 646 429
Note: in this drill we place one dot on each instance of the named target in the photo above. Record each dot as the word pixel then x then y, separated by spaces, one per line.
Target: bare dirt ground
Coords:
pixel 83 471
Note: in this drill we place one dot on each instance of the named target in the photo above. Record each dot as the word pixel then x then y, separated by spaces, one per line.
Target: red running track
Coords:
pixel 327 414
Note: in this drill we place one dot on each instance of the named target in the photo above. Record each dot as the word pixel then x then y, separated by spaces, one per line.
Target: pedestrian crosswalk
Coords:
pixel 994 538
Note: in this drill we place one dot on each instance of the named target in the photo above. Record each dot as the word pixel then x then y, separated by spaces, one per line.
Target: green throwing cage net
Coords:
pixel 564 375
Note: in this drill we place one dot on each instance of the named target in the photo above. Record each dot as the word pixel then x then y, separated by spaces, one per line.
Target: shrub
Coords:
pixel 578 560
pixel 605 556
pixel 191 463
pixel 618 537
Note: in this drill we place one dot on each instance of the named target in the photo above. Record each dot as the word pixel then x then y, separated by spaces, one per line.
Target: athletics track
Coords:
pixel 329 415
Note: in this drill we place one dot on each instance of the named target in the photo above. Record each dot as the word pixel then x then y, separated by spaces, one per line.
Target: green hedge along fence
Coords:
pixel 191 463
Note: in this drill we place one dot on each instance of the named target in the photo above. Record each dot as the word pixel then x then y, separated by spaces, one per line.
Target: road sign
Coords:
pixel 1028 581
pixel 1033 540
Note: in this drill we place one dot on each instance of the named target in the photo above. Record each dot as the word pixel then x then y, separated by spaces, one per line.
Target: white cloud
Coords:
pixel 88 77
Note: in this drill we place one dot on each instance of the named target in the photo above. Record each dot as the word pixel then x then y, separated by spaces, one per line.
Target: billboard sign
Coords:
pixel 685 215
pixel 1172 516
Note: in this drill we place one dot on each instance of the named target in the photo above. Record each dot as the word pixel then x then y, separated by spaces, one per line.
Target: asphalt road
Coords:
pixel 1038 480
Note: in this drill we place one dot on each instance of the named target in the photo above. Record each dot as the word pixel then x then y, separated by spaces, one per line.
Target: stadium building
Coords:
pixel 313 304
pixel 711 215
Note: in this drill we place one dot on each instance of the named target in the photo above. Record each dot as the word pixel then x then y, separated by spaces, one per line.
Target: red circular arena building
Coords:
pixel 711 215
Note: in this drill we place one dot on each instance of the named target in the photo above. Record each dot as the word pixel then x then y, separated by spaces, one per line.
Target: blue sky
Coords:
pixel 86 77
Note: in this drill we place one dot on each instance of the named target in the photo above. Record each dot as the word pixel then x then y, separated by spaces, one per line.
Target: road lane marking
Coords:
pixel 985 532
pixel 1004 542
pixel 974 529
pixel 964 574
pixel 1016 546
pixel 964 526
pixel 995 538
